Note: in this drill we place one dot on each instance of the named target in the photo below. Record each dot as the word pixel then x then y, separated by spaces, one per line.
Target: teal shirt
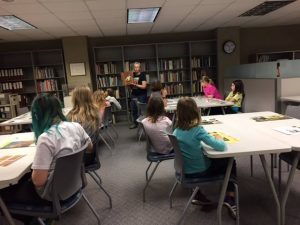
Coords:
pixel 192 150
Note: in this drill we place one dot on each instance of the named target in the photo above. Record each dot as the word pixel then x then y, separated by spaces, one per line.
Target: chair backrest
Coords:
pixel 22 110
pixel 293 111
pixel 142 108
pixel 108 116
pixel 178 160
pixel 68 177
pixel 149 146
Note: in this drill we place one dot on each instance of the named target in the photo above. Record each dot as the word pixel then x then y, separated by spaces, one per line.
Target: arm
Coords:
pixel 39 177
pixel 141 86
pixel 218 145
pixel 164 94
pixel 116 103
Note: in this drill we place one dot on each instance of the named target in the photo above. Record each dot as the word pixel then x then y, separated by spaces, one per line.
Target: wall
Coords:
pixel 76 51
pixel 227 60
pixel 269 39
pixel 30 45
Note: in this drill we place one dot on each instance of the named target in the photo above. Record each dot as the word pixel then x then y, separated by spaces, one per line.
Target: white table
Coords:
pixel 202 102
pixel 25 119
pixel 289 101
pixel 264 144
pixel 12 173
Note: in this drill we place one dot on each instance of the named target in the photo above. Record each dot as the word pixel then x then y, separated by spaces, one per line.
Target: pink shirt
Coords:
pixel 159 140
pixel 211 90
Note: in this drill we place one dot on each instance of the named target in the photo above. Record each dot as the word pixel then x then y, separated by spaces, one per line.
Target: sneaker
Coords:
pixel 200 199
pixel 133 126
pixel 229 202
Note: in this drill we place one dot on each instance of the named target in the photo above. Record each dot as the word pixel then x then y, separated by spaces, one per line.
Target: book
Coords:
pixel 9 159
pixel 127 78
pixel 17 144
pixel 289 130
pixel 227 138
pixel 210 121
pixel 270 118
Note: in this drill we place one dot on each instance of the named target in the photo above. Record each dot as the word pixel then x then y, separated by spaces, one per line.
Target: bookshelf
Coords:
pixel 178 65
pixel 9 104
pixel 31 72
pixel 274 56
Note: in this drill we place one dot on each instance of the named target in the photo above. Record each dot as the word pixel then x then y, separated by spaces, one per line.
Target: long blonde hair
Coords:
pixel 99 98
pixel 84 111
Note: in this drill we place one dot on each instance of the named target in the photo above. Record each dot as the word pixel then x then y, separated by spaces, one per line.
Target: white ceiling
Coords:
pixel 98 18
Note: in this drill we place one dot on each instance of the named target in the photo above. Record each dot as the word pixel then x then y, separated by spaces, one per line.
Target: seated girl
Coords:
pixel 99 99
pixel 210 91
pixel 236 96
pixel 190 134
pixel 86 114
pixel 112 99
pixel 155 123
pixel 158 90
pixel 55 137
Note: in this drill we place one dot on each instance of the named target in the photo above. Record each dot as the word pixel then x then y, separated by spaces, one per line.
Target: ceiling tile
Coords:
pixel 24 8
pixel 138 28
pixel 179 3
pixel 82 15
pixel 76 6
pixel 144 3
pixel 102 5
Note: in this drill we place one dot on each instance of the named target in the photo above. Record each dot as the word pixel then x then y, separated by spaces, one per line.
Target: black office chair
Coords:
pixel 66 190
pixel 193 183
pixel 142 111
pixel 153 157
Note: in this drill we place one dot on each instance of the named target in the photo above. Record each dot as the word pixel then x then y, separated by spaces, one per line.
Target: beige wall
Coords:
pixel 268 39
pixel 76 51
pixel 30 45
pixel 226 60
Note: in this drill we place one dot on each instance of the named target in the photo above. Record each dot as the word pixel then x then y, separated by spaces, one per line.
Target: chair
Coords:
pixel 153 157
pixel 108 120
pixel 142 111
pixel 193 183
pixel 91 170
pixel 106 123
pixel 66 190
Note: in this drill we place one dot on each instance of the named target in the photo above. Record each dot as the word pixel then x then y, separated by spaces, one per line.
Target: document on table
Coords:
pixel 289 130
pixel 9 159
pixel 270 118
pixel 210 121
pixel 227 138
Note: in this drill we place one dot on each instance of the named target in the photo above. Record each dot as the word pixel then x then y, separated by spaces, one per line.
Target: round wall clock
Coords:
pixel 229 47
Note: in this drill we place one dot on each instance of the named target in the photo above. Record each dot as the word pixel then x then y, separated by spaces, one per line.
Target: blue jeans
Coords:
pixel 134 107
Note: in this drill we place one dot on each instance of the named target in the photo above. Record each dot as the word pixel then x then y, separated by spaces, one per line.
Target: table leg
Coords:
pixel 223 110
pixel 288 186
pixel 270 181
pixel 6 213
pixel 223 190
pixel 272 166
pixel 208 111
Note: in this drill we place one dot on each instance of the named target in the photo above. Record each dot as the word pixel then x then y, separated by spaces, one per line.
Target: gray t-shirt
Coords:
pixel 60 140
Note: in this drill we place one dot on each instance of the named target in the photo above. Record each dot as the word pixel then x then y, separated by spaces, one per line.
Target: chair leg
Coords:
pixel 237 203
pixel 91 208
pixel 97 175
pixel 101 187
pixel 275 160
pixel 6 213
pixel 115 130
pixel 171 193
pixel 40 220
pixel 148 181
pixel 105 142
pixel 251 165
pixel 187 205
pixel 148 170
pixel 140 135
pixel 272 166
pixel 109 135
pixel 279 177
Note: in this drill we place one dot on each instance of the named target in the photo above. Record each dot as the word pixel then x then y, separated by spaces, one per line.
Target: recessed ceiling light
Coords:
pixel 266 7
pixel 143 15
pixel 14 23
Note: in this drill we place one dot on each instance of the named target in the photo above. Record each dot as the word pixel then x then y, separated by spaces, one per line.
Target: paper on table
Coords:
pixel 226 138
pixel 16 144
pixel 210 121
pixel 9 159
pixel 289 130
pixel 270 118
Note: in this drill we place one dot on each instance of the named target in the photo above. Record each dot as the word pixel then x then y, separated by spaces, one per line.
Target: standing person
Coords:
pixel 190 135
pixel 210 91
pixel 236 96
pixel 138 92
pixel 55 137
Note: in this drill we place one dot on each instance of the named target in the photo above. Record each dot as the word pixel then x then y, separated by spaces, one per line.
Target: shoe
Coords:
pixel 200 199
pixel 133 126
pixel 229 202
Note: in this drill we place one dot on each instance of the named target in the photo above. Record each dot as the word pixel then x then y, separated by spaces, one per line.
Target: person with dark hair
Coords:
pixel 110 96
pixel 190 135
pixel 138 92
pixel 159 91
pixel 236 96
pixel 155 123
pixel 209 88
pixel 55 137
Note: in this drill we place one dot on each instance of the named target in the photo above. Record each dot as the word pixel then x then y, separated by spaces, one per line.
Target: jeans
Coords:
pixel 134 107
pixel 217 167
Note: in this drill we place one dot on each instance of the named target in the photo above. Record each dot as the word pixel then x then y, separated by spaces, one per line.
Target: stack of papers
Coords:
pixel 289 130
pixel 210 121
pixel 226 138
pixel 270 118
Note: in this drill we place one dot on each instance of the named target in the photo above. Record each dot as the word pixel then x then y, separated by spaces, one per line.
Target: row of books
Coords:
pixel 196 87
pixel 109 81
pixel 171 64
pixel 107 68
pixel 198 74
pixel 174 89
pixel 203 61
pixel 46 85
pixel 11 73
pixel 43 73
pixel 129 66
pixel 11 86
pixel 172 76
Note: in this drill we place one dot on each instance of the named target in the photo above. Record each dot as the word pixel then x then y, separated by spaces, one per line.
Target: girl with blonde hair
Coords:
pixel 99 98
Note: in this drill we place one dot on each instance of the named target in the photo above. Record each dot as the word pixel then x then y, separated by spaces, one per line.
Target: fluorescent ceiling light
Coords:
pixel 14 23
pixel 144 15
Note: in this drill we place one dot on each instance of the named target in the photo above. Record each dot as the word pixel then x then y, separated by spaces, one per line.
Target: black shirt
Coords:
pixel 139 78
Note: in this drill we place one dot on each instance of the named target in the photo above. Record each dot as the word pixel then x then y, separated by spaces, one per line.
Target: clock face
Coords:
pixel 229 47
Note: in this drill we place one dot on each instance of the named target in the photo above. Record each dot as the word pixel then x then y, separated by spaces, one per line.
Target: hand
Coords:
pixel 164 93
pixel 218 137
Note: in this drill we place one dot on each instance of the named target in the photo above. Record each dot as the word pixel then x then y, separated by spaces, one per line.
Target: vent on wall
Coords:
pixel 266 7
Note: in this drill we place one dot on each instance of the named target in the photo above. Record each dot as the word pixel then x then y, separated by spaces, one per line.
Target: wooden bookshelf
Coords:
pixel 31 72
